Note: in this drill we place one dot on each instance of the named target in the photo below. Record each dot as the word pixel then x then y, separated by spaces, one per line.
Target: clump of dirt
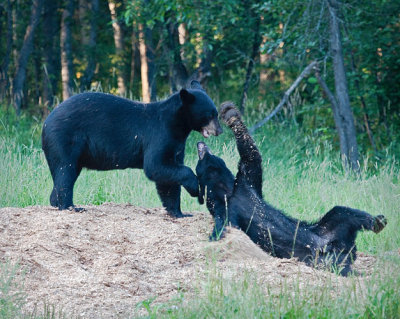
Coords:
pixel 101 262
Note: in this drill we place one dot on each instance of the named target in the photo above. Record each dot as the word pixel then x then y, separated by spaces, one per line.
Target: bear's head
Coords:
pixel 214 178
pixel 200 110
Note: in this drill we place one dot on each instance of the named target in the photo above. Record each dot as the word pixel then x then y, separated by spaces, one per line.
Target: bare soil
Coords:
pixel 101 262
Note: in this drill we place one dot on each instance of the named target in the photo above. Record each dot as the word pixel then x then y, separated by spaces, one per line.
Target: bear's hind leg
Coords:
pixel 53 198
pixel 350 219
pixel 64 181
pixel 339 228
pixel 53 195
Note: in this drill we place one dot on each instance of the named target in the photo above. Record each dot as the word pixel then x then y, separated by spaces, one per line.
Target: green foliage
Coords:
pixel 293 32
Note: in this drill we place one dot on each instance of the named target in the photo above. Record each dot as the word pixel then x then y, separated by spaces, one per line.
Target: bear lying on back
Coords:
pixel 239 202
pixel 104 132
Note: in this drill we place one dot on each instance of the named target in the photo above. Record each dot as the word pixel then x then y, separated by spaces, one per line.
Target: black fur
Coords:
pixel 104 132
pixel 239 202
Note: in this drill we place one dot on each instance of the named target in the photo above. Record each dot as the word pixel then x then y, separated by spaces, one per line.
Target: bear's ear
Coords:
pixel 195 85
pixel 186 97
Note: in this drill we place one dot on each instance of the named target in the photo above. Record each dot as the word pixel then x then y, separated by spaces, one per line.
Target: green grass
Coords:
pixel 377 297
pixel 302 176
pixel 11 297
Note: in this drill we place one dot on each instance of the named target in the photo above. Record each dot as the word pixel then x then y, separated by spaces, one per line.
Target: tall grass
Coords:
pixel 11 297
pixel 376 297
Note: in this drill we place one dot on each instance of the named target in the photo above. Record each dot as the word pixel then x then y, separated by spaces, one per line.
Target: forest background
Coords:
pixel 248 51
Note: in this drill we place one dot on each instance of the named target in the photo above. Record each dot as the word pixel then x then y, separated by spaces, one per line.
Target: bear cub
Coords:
pixel 238 201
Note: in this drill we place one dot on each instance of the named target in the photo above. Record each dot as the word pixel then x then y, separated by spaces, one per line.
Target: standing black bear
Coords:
pixel 103 132
pixel 238 202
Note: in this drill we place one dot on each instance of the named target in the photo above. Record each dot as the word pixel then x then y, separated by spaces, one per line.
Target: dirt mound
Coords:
pixel 101 262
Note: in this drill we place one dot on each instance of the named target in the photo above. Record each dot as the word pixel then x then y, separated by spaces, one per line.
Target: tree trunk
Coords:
pixel 66 50
pixel 183 38
pixel 119 47
pixel 83 9
pixel 16 17
pixel 144 66
pixel 344 110
pixel 134 49
pixel 49 52
pixel 4 79
pixel 204 58
pixel 282 76
pixel 204 70
pixel 91 47
pixel 250 66
pixel 178 72
pixel 36 57
pixel 20 74
pixel 148 35
pixel 149 92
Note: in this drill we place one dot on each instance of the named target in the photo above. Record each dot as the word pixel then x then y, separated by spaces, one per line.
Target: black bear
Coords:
pixel 104 132
pixel 239 202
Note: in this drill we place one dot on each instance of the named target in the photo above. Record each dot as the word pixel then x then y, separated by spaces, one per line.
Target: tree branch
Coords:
pixel 285 97
pixel 326 89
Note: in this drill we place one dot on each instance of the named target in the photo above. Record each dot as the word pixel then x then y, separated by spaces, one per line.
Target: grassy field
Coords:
pixel 302 176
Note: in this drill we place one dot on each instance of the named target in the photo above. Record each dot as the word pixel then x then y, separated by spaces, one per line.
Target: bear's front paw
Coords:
pixel 177 214
pixel 228 112
pixel 217 235
pixel 192 186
